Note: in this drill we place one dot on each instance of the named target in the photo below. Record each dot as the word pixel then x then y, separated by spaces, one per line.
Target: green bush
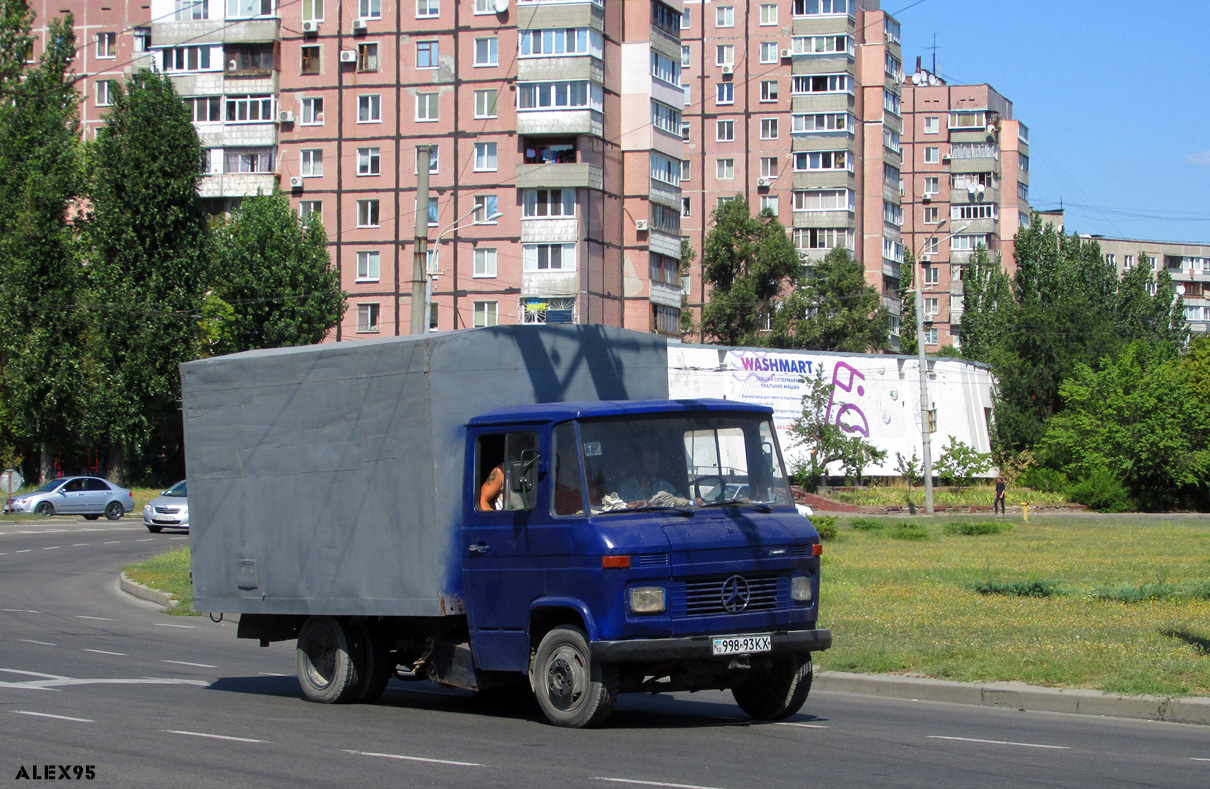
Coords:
pixel 1048 480
pixel 1038 588
pixel 866 524
pixel 1127 593
pixel 978 528
pixel 1102 491
pixel 825 525
pixel 907 531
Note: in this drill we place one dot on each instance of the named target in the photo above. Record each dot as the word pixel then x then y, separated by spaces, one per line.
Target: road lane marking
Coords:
pixel 149 539
pixel 186 663
pixel 802 725
pixel 103 652
pixel 52 548
pixel 43 643
pixel 1198 759
pixel 111 542
pixel 98 618
pixel 652 783
pixel 19 611
pixel 1001 742
pixel 80 544
pixel 414 758
pixel 48 715
pixel 210 736
pixel 24 550
pixel 161 624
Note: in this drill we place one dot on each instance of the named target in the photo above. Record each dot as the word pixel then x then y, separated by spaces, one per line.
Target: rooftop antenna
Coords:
pixel 934 48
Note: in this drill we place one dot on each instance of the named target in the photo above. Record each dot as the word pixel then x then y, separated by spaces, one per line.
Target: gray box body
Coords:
pixel 328 479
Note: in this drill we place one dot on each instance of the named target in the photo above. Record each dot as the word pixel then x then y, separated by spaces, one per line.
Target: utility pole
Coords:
pixel 420 256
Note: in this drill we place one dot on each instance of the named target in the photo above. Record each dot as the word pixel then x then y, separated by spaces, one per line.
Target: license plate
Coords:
pixel 739 645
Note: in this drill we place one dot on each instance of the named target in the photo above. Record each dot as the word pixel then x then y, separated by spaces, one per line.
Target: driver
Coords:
pixel 639 489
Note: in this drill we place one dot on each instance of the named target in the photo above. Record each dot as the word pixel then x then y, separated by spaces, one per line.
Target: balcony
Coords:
pixel 214 31
pixel 236 184
pixel 573 175
pixel 562 122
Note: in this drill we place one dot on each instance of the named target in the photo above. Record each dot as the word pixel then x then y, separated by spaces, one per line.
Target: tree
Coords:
pixel 987 306
pixel 833 309
pixel 748 262
pixel 687 258
pixel 907 304
pixel 148 237
pixel 959 463
pixel 273 271
pixel 827 442
pixel 40 325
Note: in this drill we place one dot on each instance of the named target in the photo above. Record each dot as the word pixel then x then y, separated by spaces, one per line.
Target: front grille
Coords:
pixel 167 510
pixel 704 596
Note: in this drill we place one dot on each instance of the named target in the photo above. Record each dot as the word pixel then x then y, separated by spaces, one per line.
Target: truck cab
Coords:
pixel 638 546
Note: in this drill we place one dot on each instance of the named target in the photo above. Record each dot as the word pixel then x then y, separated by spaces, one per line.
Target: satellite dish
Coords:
pixel 501 6
pixel 916 78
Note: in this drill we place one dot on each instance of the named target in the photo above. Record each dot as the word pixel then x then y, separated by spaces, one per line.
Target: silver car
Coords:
pixel 91 497
pixel 169 510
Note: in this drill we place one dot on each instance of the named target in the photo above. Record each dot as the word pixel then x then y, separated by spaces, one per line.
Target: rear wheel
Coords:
pixel 91 517
pixel 45 509
pixel 777 692
pixel 327 662
pixel 378 664
pixel 113 510
pixel 572 689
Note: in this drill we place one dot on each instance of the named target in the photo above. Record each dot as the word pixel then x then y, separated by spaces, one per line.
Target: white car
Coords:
pixel 91 497
pixel 169 510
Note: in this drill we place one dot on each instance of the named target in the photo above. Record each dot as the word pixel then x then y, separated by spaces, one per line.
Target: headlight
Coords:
pixel 801 590
pixel 146 509
pixel 647 600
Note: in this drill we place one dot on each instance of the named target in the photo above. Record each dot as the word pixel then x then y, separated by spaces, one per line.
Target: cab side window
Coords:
pixel 568 497
pixel 493 453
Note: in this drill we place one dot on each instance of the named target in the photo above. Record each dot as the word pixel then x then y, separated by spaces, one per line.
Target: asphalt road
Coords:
pixel 90 676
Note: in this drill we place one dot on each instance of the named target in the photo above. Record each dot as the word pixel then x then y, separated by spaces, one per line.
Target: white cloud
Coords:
pixel 1202 159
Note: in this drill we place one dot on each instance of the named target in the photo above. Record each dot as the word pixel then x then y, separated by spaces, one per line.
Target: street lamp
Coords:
pixel 925 433
pixel 431 266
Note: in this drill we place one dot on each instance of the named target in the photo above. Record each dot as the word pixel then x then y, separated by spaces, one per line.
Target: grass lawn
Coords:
pixel 167 572
pixel 899 495
pixel 900 596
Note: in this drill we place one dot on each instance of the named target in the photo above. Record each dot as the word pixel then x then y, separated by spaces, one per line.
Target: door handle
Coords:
pixel 480 547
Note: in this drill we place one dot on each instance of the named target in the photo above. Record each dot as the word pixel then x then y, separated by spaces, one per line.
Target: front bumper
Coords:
pixel 644 650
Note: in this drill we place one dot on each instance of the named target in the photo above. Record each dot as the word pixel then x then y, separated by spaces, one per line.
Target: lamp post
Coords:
pixel 420 253
pixel 925 433
pixel 428 276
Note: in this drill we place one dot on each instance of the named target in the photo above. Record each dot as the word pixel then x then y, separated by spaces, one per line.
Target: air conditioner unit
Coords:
pixel 310 27
pixel 925 258
pixel 787 53
pixel 296 182
pixel 285 116
pixel 359 24
pixel 945 157
pixel 728 69
pixel 640 224
pixel 764 181
pixel 348 56
pixel 991 128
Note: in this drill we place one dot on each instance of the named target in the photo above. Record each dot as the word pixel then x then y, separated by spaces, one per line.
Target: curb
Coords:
pixel 142 592
pixel 1019 696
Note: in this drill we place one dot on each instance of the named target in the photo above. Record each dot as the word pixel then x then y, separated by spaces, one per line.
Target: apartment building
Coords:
pixel 966 185
pixel 554 132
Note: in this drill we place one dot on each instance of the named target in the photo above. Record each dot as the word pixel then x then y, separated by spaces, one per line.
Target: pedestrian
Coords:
pixel 998 504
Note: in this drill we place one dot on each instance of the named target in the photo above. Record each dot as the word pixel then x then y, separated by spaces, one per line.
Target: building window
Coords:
pixel 486 210
pixel 249 109
pixel 369 108
pixel 107 45
pixel 822 160
pixel 932 154
pixel 485 104
pixel 426 106
pixel 562 41
pixel 310 60
pixel 665 69
pixel 205 109
pixel 824 200
pixel 974 211
pixel 427 54
pixel 823 238
pixel 684 56
pixel 768 128
pixel 369 9
pixel 768 90
pixel 932 124
pixel 932 275
pixel 685 133
pixel 311 162
pixel 560 95
pixel 769 203
pixel 367 57
pixel 549 257
pixel 724 16
pixel 367 213
pixel 256 160
pixel 310 210
pixel 428 8
pixel 540 310
pixel 312 10
pixel 485 7
pixel 367 317
pixel 312 112
pixel 724 169
pixel 768 14
pixel 104 92
pixel 142 39
pixel 434 211
pixel 821 122
pixel 932 215
pixel 724 55
pixel 821 83
pixel 367 161
pixel 824 7
pixel 769 52
pixel 685 19
pixel 485 157
pixel 665 118
pixel 685 207
pixel 724 131
pixel 187 59
pixel 548 203
pixel 768 166
pixel 367 266
pixel 686 169
pixel 485 262
pixel 191 10
pixel 486 52
pixel 487 313
pixel 932 185
pixel 246 9
pixel 930 335
pixel 725 93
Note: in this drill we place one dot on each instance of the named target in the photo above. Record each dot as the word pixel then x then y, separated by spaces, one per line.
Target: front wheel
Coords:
pixel 155 529
pixel 113 510
pixel 776 692
pixel 45 509
pixel 572 689
pixel 327 662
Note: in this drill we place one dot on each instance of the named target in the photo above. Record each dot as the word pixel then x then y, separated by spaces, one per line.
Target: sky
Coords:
pixel 1114 93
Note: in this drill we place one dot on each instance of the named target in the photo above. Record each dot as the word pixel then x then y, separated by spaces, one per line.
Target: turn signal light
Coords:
pixel 615 562
pixel 817 549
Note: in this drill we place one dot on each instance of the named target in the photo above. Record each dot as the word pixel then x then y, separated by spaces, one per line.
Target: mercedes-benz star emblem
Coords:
pixel 735 595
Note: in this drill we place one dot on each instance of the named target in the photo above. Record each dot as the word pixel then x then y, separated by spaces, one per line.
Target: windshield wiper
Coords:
pixel 757 505
pixel 658 508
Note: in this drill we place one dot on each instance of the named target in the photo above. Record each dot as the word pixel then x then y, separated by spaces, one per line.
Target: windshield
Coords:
pixel 177 490
pixel 706 460
pixel 51 486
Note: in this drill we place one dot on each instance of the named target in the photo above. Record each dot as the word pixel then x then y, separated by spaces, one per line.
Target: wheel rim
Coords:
pixel 321 660
pixel 113 511
pixel 45 509
pixel 566 678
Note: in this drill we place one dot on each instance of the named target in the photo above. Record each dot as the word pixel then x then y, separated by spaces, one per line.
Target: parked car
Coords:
pixel 91 497
pixel 169 510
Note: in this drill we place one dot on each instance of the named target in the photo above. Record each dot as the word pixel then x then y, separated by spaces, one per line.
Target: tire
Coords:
pixel 327 661
pixel 45 509
pixel 378 664
pixel 113 510
pixel 155 529
pixel 778 692
pixel 91 517
pixel 572 689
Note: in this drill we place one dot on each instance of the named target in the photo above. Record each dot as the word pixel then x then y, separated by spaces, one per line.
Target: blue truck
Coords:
pixel 624 542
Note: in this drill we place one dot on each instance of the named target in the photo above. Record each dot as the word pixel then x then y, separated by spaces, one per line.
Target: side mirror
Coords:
pixel 521 478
